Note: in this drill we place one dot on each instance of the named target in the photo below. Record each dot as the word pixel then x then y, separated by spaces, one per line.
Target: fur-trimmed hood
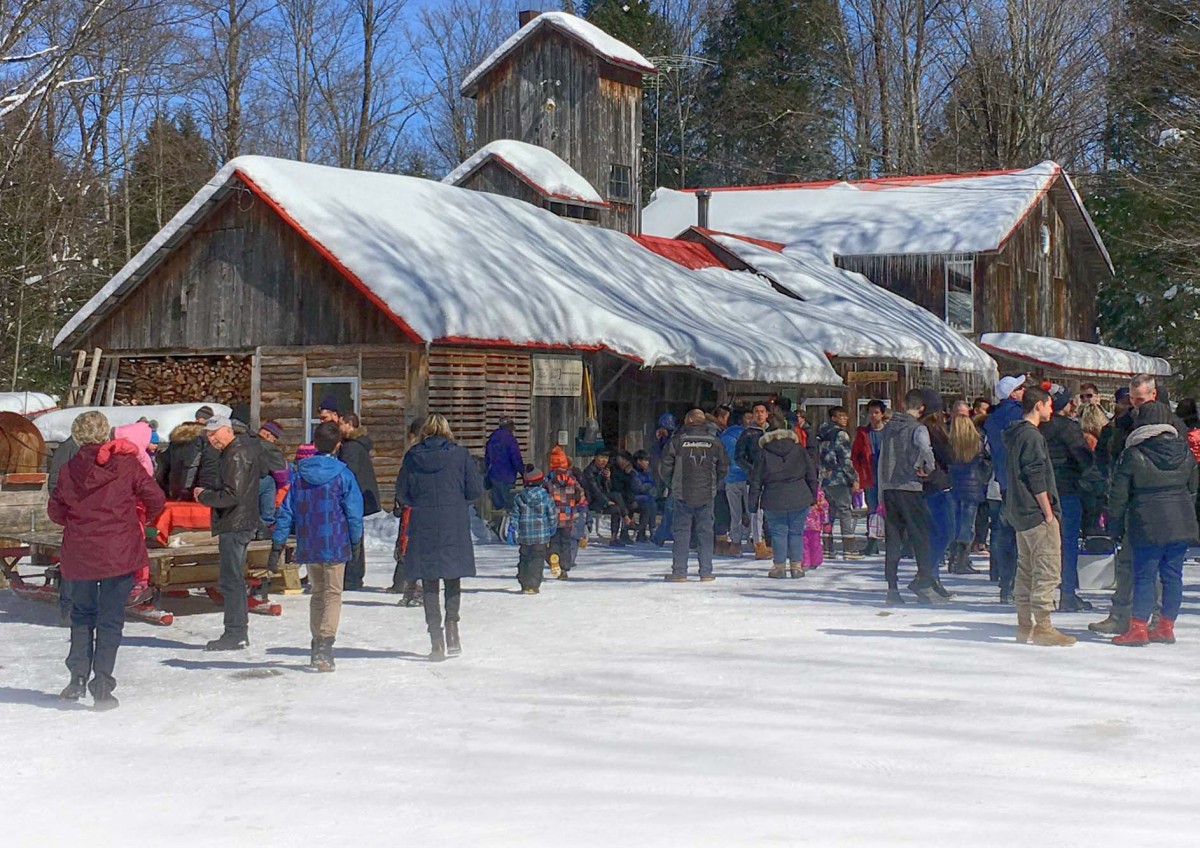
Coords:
pixel 777 435
pixel 186 432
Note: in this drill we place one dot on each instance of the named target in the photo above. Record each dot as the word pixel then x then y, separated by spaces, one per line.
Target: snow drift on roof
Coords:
pixel 541 167
pixel 464 265
pixel 849 316
pixel 56 426
pixel 617 52
pixel 27 403
pixel 1081 357
pixel 944 215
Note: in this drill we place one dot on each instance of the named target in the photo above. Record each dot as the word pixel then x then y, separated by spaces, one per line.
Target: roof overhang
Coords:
pixel 1073 357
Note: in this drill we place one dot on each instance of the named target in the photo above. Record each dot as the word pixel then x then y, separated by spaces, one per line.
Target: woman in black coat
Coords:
pixel 783 484
pixel 439 480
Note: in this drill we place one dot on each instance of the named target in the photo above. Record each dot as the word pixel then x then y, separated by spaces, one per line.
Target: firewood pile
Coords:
pixel 224 379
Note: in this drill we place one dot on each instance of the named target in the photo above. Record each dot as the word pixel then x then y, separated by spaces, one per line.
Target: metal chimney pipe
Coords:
pixel 702 198
pixel 526 15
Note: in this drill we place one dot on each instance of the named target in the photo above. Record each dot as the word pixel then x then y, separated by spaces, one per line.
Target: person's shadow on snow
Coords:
pixel 955 631
pixel 42 700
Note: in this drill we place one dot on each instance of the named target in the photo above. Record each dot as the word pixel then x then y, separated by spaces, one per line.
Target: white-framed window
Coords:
pixel 960 295
pixel 343 389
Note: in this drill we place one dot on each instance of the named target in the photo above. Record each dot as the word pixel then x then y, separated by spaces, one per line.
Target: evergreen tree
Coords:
pixel 771 106
pixel 632 21
pixel 1146 203
pixel 169 166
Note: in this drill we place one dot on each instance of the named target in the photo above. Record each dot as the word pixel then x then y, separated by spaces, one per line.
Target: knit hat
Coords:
pixel 533 475
pixel 1060 397
pixel 273 428
pixel 204 413
pixel 1155 412
pixel 329 402
pixel 1121 395
pixel 305 451
pixel 668 422
pixel 1008 385
pixel 932 401
pixel 558 459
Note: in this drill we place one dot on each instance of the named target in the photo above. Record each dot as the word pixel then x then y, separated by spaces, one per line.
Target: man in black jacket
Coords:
pixel 604 498
pixel 1032 508
pixel 693 466
pixel 234 520
pixel 1074 471
pixel 356 453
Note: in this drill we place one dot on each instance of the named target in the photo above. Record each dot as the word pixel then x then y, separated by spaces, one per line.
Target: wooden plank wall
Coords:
pixel 473 388
pixel 391 394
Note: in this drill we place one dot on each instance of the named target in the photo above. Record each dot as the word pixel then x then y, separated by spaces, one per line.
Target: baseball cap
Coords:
pixel 217 422
pixel 1008 385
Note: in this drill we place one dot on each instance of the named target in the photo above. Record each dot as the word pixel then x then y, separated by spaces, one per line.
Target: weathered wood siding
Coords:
pixel 244 278
pixel 475 387
pixel 1018 288
pixel 555 93
pixel 391 394
pixel 494 178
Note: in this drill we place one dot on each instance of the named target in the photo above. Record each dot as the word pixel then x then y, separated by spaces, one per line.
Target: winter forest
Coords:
pixel 114 112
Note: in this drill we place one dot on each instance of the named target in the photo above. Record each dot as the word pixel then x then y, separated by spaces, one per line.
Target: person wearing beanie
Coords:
pixel 1007 412
pixel 273 473
pixel 328 410
pixel 537 523
pixel 1075 476
pixel 571 504
pixel 1152 500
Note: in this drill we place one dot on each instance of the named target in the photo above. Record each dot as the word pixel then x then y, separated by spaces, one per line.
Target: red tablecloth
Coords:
pixel 182 515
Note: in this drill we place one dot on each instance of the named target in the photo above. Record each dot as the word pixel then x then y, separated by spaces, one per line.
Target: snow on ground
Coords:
pixel 612 710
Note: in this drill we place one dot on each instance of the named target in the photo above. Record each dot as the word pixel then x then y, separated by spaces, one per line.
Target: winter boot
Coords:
pixel 437 645
pixel 1045 634
pixel 761 551
pixel 102 697
pixel 1165 632
pixel 1024 625
pixel 325 655
pixel 1072 603
pixel 453 643
pixel 413 596
pixel 796 569
pixel 1111 626
pixel 676 578
pixel 1136 636
pixel 940 589
pixel 893 598
pixel 1006 596
pixel 78 686
pixel 960 562
pixel 872 548
pixel 314 653
pixel 851 548
pixel 555 568
pixel 1153 625
pixel 229 641
pixel 778 570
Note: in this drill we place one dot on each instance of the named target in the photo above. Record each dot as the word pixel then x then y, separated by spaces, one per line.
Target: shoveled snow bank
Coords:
pixel 539 166
pixel 27 403
pixel 462 265
pixel 1068 355
pixel 56 426
pixel 601 42
pixel 849 316
pixel 951 215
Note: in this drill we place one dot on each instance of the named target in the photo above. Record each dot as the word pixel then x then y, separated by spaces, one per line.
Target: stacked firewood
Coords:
pixel 224 379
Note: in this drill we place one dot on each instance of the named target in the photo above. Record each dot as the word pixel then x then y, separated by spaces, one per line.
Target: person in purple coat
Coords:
pixel 502 464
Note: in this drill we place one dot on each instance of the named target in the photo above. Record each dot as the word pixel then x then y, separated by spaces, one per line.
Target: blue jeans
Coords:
pixel 684 520
pixel 787 534
pixel 1004 551
pixel 266 499
pixel 941 526
pixel 97 622
pixel 964 519
pixel 1150 562
pixel 1072 519
pixel 872 495
pixel 663 533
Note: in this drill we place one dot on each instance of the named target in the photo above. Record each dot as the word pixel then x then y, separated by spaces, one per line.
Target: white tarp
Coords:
pixel 1081 357
pixel 56 426
pixel 27 403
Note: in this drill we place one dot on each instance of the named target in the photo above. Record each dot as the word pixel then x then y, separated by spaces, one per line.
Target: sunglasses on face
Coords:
pixel 1087 396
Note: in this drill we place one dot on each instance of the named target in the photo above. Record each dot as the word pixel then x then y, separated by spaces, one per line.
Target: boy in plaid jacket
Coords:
pixel 537 522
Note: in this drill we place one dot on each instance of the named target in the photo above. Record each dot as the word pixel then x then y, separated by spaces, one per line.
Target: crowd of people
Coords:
pixel 1028 480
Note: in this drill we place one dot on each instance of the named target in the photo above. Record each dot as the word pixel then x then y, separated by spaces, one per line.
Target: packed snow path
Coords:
pixel 612 710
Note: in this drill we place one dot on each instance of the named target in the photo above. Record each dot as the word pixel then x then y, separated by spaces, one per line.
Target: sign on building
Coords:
pixel 557 376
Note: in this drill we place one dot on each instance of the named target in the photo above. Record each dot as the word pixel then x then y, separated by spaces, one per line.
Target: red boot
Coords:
pixel 1136 635
pixel 1165 632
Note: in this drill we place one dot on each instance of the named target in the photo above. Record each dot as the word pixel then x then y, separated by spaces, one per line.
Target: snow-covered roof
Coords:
pixel 27 403
pixel 615 51
pixel 56 426
pixel 453 265
pixel 541 168
pixel 1081 357
pixel 849 316
pixel 934 214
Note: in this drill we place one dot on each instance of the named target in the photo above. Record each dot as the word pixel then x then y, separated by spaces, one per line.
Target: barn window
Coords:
pixel 960 295
pixel 620 182
pixel 342 389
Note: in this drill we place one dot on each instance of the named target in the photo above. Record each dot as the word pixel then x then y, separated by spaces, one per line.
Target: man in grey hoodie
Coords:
pixel 905 459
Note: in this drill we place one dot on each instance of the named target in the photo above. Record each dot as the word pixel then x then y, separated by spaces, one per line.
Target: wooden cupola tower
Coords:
pixel 562 83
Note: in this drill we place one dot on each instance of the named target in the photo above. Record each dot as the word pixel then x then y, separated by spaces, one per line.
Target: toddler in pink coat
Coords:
pixel 818 517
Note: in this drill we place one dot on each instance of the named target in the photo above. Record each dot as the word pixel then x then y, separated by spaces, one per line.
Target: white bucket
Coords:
pixel 1097 572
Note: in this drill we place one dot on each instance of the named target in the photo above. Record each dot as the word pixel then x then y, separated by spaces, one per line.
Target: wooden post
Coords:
pixel 91 382
pixel 77 377
pixel 110 387
pixel 256 390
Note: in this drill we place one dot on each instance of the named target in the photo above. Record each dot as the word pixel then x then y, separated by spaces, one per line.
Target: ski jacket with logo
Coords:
pixel 694 465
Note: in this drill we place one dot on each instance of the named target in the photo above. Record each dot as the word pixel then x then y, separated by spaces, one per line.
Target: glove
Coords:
pixel 273 559
pixel 356 551
pixel 397 509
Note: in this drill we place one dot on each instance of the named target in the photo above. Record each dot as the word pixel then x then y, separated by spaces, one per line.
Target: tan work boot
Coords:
pixel 761 551
pixel 777 571
pixel 1024 625
pixel 1045 634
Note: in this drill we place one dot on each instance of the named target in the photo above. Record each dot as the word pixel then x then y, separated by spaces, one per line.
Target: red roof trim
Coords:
pixel 333 260
pixel 869 183
pixel 769 245
pixel 1045 364
pixel 689 254
pixel 1025 212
